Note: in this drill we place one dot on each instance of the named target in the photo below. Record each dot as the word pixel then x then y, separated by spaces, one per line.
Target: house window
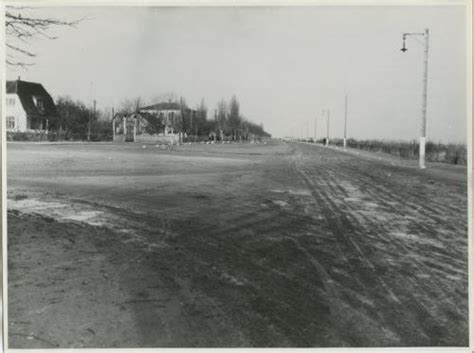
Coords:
pixel 40 106
pixel 10 101
pixel 39 103
pixel 10 122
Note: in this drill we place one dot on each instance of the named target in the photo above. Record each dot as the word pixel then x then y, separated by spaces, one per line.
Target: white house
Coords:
pixel 29 107
pixel 167 112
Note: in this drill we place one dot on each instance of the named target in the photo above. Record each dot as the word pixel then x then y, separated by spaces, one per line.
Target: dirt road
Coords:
pixel 233 246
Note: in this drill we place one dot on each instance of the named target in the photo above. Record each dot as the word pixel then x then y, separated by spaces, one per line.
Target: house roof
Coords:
pixel 163 106
pixel 127 115
pixel 28 92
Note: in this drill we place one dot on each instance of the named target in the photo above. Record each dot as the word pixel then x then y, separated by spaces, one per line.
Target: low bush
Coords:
pixel 435 152
pixel 31 136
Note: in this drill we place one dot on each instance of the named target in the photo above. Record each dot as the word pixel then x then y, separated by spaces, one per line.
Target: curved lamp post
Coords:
pixel 425 36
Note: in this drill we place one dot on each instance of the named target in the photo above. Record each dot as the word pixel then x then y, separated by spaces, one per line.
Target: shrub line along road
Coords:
pixel 233 246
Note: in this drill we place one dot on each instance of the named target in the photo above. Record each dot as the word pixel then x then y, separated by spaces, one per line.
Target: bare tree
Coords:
pixel 22 28
pixel 221 117
pixel 200 123
pixel 234 119
pixel 165 97
pixel 129 106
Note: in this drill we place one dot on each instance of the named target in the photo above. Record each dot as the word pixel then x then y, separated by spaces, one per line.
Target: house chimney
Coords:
pixel 19 78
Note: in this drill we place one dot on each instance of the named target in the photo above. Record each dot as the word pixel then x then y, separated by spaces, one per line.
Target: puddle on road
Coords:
pixel 287 193
pixel 80 213
pixel 57 210
pixel 231 279
pixel 280 203
pixel 89 217
pixel 369 204
pixel 296 192
pixel 352 199
pixel 299 192
pixel 279 191
pixel 405 235
pixel 33 205
pixel 417 239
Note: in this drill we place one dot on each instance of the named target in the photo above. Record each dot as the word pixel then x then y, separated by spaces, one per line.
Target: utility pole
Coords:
pixel 89 119
pixel 89 126
pixel 89 130
pixel 190 125
pixel 345 124
pixel 327 133
pixel 113 125
pixel 315 125
pixel 424 98
pixel 307 131
pixel 322 119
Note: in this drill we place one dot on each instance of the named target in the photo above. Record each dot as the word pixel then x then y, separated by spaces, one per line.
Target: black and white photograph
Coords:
pixel 236 176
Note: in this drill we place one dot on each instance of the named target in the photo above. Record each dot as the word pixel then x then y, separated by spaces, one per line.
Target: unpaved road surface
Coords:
pixel 233 246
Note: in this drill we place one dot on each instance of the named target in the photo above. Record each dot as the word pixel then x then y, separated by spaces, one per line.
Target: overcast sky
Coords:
pixel 284 64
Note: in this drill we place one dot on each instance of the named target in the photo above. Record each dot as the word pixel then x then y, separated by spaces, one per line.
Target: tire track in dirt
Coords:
pixel 326 180
pixel 385 185
pixel 420 210
pixel 341 320
pixel 366 168
pixel 343 226
pixel 429 286
pixel 400 224
pixel 365 269
pixel 380 199
pixel 384 197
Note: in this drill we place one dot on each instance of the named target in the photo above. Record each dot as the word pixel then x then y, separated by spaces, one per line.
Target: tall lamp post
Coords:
pixel 315 126
pixel 426 36
pixel 327 140
pixel 327 112
pixel 345 124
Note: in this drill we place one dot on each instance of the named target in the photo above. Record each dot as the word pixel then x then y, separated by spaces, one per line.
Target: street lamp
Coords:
pixel 426 36
pixel 307 131
pixel 345 123
pixel 327 112
pixel 315 126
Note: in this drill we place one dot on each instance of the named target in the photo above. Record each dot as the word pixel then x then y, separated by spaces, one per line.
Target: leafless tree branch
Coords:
pixel 20 50
pixel 25 28
pixel 18 63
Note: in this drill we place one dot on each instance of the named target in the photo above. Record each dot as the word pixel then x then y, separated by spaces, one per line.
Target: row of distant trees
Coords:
pixel 226 123
pixel 78 121
pixel 229 122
